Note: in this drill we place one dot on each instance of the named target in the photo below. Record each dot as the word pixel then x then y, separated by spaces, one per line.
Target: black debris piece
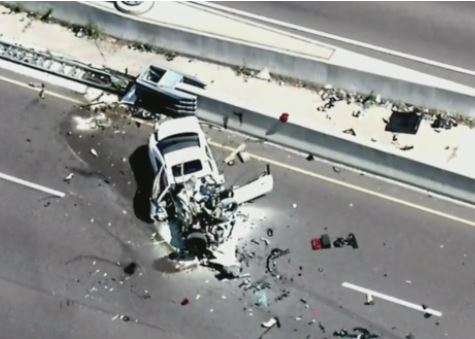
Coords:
pixel 336 169
pixel 406 148
pixel 444 121
pixel 310 157
pixel 403 122
pixel 358 332
pixel 410 336
pixel 270 232
pixel 185 301
pixel 321 327
pixel 427 315
pixel 350 240
pixel 130 268
pixel 125 318
pixel 350 131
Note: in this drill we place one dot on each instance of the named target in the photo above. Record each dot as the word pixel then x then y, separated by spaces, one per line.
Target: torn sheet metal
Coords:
pixel 163 90
pixel 254 189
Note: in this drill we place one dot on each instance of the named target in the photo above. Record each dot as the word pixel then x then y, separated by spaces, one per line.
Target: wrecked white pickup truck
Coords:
pixel 190 193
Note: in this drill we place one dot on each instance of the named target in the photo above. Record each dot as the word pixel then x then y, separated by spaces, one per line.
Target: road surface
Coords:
pixel 62 259
pixel 439 31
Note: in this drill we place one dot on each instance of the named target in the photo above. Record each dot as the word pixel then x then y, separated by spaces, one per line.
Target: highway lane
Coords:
pixel 440 31
pixel 50 253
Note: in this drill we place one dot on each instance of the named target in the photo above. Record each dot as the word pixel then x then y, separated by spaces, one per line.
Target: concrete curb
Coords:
pixel 337 149
pixel 238 53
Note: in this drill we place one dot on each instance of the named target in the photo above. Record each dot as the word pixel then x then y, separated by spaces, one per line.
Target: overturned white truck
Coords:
pixel 189 192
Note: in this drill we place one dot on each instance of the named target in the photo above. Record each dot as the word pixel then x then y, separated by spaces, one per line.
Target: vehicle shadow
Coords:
pixel 143 173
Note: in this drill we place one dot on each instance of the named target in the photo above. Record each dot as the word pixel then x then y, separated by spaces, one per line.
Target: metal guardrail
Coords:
pixel 106 79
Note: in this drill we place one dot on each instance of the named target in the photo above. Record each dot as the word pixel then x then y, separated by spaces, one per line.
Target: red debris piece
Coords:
pixel 284 117
pixel 316 244
pixel 320 243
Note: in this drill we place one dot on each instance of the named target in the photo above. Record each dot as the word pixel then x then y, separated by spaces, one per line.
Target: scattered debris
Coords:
pixel 284 117
pixel 274 321
pixel 406 148
pixel 350 240
pixel 130 268
pixel 98 121
pixel 236 152
pixel 404 122
pixel 41 93
pixel 444 121
pixel 350 131
pixel 361 333
pixel 369 300
pixel 271 263
pixel 322 242
pixel 68 178
pixel 264 74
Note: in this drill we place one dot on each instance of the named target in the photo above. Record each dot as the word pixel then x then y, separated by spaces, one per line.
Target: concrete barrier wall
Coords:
pixel 338 149
pixel 236 53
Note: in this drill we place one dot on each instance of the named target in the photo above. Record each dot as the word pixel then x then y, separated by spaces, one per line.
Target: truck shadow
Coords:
pixel 143 173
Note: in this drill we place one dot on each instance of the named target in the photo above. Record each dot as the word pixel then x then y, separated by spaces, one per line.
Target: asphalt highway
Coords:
pixel 62 259
pixel 439 31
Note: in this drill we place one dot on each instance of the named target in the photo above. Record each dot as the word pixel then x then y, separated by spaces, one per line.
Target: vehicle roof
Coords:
pixel 178 126
pixel 184 155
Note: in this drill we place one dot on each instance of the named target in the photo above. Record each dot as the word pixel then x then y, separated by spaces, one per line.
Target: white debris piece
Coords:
pixel 256 188
pixel 264 74
pixel 269 323
pixel 68 177
pixel 92 123
pixel 232 157
pixel 294 205
pixel 94 152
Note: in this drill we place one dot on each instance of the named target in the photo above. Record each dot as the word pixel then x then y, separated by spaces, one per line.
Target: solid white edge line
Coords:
pixel 391 299
pixel 32 185
pixel 353 187
pixel 339 38
pixel 53 94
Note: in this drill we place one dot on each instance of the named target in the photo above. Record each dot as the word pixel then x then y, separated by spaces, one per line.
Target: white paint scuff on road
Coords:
pixel 389 298
pixel 32 185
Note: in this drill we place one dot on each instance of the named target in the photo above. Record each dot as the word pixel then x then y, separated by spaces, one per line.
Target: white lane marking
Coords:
pixel 32 185
pixel 351 186
pixel 391 299
pixel 53 94
pixel 295 169
pixel 339 38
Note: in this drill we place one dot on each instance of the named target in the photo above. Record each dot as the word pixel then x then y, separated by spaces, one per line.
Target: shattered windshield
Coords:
pixel 178 142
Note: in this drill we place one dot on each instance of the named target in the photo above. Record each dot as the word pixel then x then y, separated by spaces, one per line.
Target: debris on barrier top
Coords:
pixel 264 74
pixel 284 117
pixel 404 122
